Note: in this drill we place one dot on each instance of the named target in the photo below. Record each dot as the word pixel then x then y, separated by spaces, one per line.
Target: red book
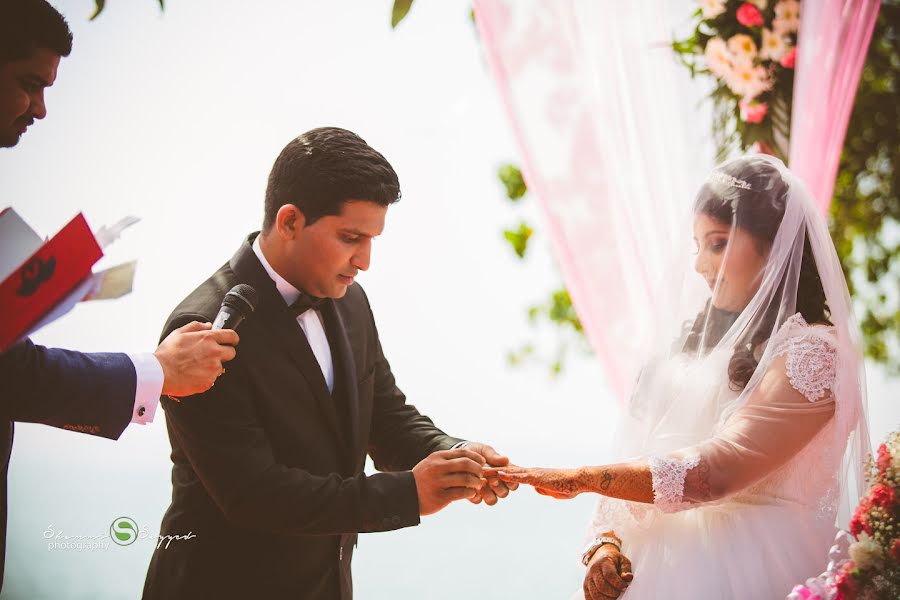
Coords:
pixel 47 276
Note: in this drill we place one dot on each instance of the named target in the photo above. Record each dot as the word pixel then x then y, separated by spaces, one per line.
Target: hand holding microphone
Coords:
pixel 192 355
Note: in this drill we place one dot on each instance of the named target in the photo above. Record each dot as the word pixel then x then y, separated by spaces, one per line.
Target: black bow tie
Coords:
pixel 304 303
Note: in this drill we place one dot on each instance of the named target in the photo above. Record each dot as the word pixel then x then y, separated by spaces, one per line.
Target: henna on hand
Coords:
pixel 626 481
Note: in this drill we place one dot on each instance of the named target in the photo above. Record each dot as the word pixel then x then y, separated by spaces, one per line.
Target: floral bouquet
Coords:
pixel 865 564
pixel 748 48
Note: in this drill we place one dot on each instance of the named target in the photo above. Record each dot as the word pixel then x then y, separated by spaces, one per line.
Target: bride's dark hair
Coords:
pixel 759 211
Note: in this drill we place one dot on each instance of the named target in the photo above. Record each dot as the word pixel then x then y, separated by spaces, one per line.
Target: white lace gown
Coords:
pixel 745 502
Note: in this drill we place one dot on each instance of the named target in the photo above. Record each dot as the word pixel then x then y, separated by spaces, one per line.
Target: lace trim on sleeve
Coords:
pixel 668 480
pixel 811 362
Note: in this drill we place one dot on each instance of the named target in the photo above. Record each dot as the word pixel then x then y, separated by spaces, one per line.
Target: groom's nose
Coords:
pixel 362 257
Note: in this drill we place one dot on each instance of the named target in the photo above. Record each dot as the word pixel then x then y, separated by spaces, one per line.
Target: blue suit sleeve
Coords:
pixel 89 393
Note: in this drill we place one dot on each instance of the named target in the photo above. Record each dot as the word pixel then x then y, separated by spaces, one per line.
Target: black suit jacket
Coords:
pixel 267 469
pixel 88 393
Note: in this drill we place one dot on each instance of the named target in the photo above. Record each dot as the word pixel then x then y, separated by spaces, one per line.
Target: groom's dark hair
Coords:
pixel 321 169
pixel 26 25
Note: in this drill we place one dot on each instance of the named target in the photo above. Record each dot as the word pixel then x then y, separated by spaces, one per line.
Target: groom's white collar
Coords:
pixel 287 291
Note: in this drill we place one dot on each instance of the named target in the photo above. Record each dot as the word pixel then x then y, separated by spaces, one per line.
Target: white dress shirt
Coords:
pixel 149 385
pixel 310 322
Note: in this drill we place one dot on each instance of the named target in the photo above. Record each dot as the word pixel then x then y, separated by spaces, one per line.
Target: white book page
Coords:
pixel 18 241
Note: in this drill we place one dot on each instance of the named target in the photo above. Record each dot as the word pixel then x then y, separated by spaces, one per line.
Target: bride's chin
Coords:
pixel 727 304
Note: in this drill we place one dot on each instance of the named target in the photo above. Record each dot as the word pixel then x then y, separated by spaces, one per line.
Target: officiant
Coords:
pixel 96 393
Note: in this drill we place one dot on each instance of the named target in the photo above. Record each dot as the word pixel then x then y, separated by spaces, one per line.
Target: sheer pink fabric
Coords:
pixel 832 43
pixel 602 123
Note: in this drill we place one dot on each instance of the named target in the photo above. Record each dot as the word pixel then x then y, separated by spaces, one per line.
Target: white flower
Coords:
pixel 712 8
pixel 866 553
pixel 774 46
pixel 760 4
pixel 742 47
pixel 747 80
pixel 718 58
pixel 787 17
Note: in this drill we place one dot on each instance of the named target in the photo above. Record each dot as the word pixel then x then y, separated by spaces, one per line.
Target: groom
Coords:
pixel 269 492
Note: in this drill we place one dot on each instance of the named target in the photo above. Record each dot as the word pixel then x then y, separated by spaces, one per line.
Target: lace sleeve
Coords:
pixel 810 364
pixel 669 475
pixel 793 400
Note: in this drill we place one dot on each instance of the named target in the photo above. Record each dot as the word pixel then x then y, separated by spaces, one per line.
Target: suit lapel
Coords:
pixel 283 328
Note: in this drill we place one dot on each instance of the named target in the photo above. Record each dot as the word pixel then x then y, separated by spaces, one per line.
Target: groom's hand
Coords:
pixel 494 488
pixel 446 476
pixel 608 574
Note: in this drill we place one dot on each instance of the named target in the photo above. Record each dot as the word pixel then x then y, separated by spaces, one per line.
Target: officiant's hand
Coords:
pixel 608 574
pixel 494 489
pixel 562 484
pixel 192 358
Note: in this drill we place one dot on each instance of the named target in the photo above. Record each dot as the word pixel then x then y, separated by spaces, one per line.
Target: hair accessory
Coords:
pixel 729 180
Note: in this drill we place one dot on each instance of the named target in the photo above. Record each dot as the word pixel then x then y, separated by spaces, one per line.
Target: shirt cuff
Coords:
pixel 149 386
pixel 458 445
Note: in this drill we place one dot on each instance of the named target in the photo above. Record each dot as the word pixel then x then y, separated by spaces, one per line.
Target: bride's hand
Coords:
pixel 608 574
pixel 562 484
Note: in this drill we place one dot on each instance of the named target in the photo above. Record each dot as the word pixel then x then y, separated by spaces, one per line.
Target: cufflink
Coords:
pixel 141 411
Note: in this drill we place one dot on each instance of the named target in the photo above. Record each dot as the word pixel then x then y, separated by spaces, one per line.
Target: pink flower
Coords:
pixel 789 60
pixel 804 593
pixel 860 520
pixel 882 495
pixel 749 16
pixel 753 112
pixel 748 80
pixel 846 586
pixel 884 459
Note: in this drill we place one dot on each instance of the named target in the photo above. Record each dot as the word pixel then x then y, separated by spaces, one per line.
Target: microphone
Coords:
pixel 236 306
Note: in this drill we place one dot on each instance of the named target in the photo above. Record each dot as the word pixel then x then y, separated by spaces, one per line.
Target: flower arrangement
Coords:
pixel 865 563
pixel 749 50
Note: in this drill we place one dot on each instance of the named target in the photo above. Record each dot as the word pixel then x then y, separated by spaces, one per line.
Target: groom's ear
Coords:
pixel 289 220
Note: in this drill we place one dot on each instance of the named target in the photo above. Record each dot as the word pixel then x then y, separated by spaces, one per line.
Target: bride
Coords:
pixel 745 433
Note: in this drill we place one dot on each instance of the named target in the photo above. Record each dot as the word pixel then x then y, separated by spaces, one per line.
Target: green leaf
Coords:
pixel 511 177
pixel 99 8
pixel 401 9
pixel 518 238
pixel 101 4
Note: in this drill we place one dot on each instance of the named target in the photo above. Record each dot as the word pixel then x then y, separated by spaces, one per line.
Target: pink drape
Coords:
pixel 832 43
pixel 591 88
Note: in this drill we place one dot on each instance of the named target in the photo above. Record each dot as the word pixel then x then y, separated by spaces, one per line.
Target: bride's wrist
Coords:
pixel 584 480
pixel 593 550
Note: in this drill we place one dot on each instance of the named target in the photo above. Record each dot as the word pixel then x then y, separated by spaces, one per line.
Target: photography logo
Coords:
pixel 123 531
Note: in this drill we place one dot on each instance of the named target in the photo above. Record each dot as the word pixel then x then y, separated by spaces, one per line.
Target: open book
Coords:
pixel 42 280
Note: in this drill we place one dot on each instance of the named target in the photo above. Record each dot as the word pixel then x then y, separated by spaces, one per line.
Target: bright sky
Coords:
pixel 177 118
